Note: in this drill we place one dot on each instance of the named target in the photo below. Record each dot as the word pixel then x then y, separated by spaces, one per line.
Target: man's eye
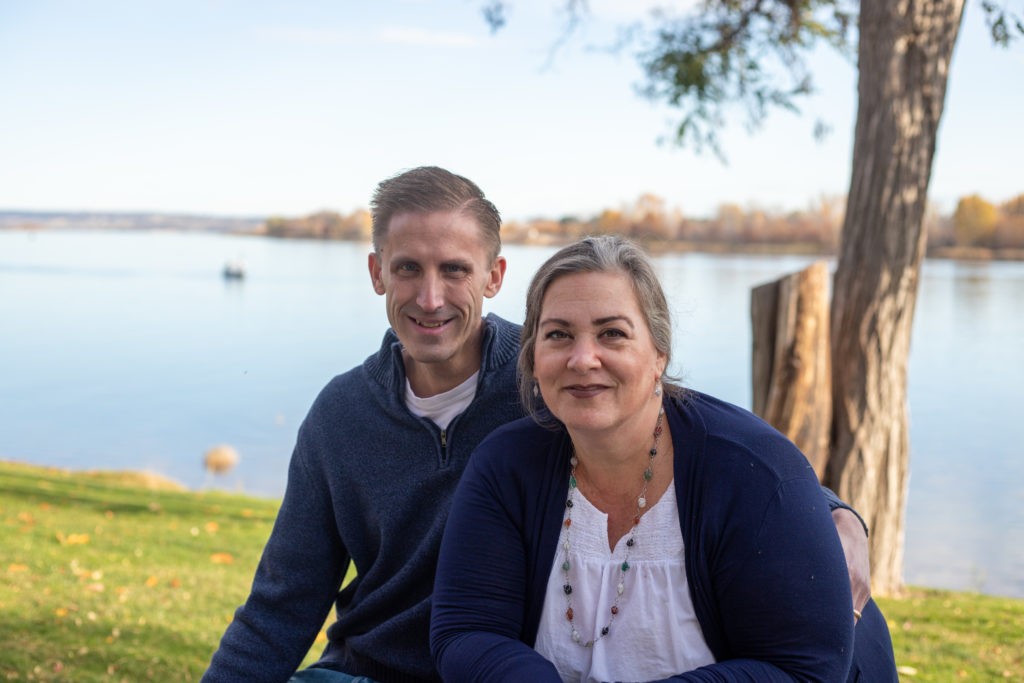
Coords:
pixel 407 268
pixel 454 269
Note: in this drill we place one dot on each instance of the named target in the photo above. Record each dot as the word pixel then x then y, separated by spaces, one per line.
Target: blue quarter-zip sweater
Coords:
pixel 372 483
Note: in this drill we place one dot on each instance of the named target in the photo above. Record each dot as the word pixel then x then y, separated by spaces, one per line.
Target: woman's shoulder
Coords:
pixel 519 449
pixel 523 437
pixel 731 432
pixel 720 419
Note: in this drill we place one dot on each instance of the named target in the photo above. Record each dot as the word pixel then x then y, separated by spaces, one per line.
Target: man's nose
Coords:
pixel 431 294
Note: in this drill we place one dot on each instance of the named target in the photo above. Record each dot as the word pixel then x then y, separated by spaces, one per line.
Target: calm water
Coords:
pixel 128 351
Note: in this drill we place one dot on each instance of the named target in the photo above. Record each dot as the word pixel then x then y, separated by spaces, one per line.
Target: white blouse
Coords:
pixel 655 634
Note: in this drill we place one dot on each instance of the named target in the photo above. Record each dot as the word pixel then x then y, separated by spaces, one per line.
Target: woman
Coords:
pixel 637 531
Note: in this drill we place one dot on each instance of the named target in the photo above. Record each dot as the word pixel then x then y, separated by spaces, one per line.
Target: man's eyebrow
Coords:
pixel 461 263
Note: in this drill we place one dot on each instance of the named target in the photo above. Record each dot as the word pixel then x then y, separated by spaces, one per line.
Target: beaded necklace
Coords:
pixel 641 503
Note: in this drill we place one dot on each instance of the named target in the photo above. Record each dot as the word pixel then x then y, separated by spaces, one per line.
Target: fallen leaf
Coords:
pixel 906 670
pixel 72 539
pixel 211 527
pixel 15 568
pixel 152 581
pixel 222 558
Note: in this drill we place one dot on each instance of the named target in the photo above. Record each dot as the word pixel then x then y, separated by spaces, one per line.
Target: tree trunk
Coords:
pixel 791 370
pixel 904 55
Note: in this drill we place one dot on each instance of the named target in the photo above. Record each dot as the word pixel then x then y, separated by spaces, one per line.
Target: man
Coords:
pixel 382 448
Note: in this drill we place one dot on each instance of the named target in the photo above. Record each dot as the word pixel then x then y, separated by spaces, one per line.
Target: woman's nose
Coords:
pixel 584 356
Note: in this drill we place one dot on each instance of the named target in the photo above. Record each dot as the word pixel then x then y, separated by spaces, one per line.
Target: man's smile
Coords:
pixel 431 324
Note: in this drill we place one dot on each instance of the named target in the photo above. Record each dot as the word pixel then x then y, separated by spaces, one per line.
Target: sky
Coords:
pixel 256 108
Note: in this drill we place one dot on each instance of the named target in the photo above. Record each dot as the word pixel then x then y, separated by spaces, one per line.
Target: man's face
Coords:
pixel 434 270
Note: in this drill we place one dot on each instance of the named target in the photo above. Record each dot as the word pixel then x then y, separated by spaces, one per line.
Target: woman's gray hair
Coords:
pixel 604 254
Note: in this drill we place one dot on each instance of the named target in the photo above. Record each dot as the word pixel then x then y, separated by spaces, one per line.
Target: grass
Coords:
pixel 945 636
pixel 125 577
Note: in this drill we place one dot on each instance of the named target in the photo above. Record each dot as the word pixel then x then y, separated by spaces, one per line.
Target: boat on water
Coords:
pixel 234 270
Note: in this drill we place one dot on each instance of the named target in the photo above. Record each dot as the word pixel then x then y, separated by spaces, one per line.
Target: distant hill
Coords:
pixel 82 220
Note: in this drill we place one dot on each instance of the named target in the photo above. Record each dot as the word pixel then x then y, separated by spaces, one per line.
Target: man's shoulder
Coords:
pixel 500 342
pixel 506 325
pixel 372 376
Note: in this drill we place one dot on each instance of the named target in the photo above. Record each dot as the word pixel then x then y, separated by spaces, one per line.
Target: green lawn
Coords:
pixel 118 577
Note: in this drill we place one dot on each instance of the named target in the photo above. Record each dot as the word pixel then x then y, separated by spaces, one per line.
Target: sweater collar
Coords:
pixel 500 344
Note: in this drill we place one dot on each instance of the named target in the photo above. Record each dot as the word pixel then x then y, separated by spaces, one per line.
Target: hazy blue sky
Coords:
pixel 254 108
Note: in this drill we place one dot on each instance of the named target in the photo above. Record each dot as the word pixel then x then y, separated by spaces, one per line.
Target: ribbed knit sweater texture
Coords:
pixel 371 483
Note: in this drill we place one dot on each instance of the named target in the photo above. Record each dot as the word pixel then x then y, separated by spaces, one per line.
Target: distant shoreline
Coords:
pixel 12 221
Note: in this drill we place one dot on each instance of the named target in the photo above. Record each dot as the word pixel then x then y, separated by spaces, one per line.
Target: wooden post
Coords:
pixel 792 373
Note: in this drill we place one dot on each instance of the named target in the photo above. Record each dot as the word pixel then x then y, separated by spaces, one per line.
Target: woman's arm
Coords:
pixel 777 587
pixel 481 591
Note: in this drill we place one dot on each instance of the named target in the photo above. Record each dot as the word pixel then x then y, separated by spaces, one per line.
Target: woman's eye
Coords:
pixel 613 333
pixel 556 334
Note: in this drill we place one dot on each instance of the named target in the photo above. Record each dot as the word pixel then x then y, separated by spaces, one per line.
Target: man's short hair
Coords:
pixel 427 189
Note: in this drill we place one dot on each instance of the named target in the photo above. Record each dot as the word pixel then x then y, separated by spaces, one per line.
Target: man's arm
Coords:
pixel 296 582
pixel 855 548
pixel 853 533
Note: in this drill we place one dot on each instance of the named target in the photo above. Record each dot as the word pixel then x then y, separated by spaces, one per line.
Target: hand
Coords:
pixel 858 560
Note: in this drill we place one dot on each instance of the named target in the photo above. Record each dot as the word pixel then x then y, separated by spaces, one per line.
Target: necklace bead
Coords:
pixel 641 504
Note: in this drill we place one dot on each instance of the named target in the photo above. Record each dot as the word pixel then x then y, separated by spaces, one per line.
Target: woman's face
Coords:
pixel 594 360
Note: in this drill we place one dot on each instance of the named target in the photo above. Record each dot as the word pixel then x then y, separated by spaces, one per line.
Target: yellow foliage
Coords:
pixel 974 221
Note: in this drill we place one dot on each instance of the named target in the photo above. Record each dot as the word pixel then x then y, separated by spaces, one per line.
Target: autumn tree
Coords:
pixel 1010 230
pixel 754 52
pixel 974 221
pixel 649 219
pixel 1013 207
pixel 608 222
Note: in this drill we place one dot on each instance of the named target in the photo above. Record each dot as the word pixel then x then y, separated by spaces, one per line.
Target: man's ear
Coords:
pixel 375 266
pixel 495 277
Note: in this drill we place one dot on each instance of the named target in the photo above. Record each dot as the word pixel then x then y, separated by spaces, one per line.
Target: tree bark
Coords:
pixel 791 369
pixel 904 56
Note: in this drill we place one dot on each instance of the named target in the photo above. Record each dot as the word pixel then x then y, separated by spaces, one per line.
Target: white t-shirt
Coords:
pixel 444 407
pixel 655 634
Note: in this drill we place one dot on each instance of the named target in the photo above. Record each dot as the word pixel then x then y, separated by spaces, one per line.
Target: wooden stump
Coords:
pixel 792 382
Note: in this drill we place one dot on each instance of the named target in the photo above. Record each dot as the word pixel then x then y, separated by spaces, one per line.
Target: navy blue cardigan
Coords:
pixel 765 566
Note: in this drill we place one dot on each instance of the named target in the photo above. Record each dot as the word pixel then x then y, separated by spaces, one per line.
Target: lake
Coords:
pixel 125 350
